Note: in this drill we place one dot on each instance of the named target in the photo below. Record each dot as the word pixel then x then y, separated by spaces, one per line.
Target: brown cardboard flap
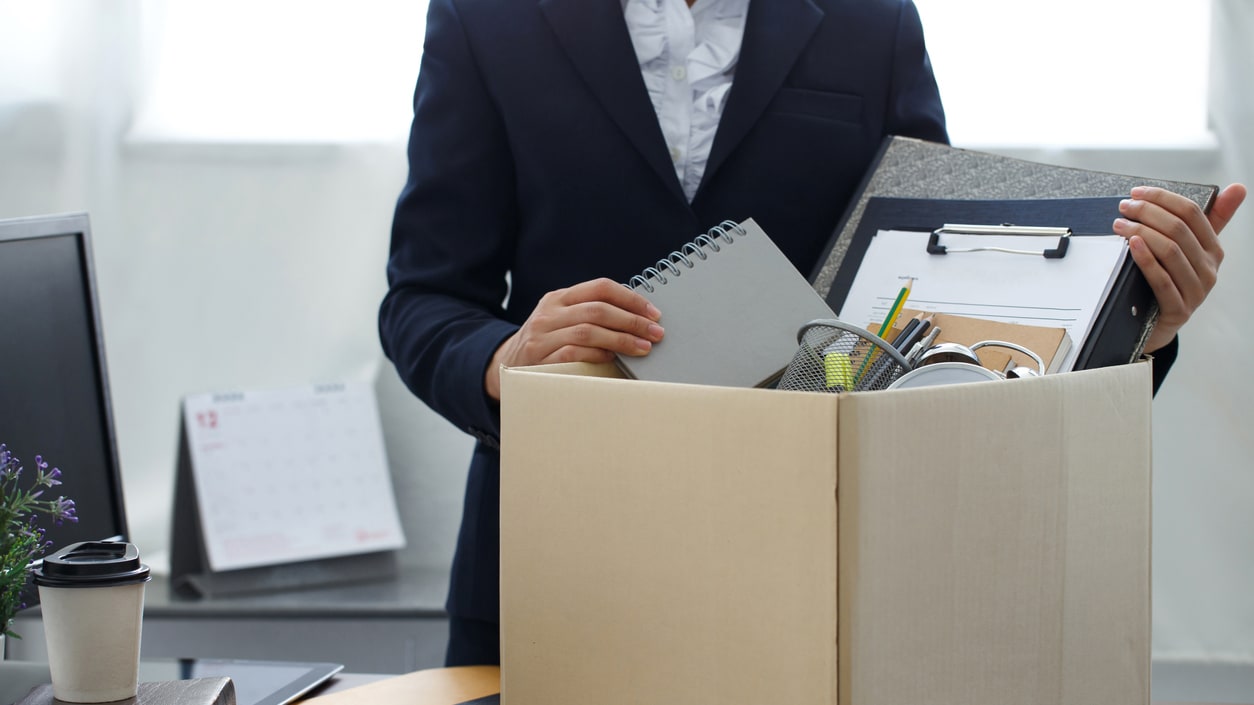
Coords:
pixel 668 530
pixel 992 532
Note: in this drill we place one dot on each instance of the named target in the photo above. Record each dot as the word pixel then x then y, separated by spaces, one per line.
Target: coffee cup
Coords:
pixel 92 601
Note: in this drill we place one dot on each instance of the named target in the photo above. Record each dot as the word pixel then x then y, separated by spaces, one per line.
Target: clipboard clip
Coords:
pixel 1063 234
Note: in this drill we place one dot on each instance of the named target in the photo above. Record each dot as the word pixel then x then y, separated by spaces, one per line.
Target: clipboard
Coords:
pixel 1125 317
pixel 914 184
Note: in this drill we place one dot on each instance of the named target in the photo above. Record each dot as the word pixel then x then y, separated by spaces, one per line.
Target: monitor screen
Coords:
pixel 54 392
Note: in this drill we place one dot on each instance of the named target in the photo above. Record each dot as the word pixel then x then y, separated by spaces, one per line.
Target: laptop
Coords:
pixel 256 682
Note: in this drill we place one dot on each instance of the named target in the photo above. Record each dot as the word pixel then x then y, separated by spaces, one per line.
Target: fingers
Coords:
pixel 1177 247
pixel 588 322
pixel 600 315
pixel 1226 205
pixel 1179 235
pixel 1173 309
pixel 626 308
pixel 1174 216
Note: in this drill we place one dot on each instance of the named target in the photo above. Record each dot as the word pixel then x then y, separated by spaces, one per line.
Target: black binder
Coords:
pixel 917 185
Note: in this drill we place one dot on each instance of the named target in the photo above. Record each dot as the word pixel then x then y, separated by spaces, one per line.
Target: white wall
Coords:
pixel 1204 479
pixel 1203 476
pixel 225 268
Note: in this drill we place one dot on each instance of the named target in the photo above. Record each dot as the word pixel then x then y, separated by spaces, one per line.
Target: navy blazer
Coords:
pixel 536 162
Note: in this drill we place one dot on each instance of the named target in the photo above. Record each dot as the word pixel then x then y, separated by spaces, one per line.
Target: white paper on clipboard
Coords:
pixel 1027 289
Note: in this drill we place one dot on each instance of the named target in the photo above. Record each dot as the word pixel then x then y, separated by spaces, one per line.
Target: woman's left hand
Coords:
pixel 1177 247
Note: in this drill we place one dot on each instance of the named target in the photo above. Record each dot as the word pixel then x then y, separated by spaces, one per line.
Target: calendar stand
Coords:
pixel 191 571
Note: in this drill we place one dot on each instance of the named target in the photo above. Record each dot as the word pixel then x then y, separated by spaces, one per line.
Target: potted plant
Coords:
pixel 22 505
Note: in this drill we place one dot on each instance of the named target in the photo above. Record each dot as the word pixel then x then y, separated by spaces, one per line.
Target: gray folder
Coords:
pixel 912 168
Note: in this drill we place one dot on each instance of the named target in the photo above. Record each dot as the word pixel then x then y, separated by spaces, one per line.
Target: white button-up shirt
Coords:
pixel 688 59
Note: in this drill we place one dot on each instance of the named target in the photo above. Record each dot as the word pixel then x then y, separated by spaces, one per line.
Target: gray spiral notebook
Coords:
pixel 731 304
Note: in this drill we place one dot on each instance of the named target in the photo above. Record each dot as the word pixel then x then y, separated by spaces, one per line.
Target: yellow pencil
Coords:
pixel 893 312
pixel 891 319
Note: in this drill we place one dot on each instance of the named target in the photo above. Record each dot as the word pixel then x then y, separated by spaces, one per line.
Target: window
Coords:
pixel 1071 73
pixel 29 35
pixel 280 71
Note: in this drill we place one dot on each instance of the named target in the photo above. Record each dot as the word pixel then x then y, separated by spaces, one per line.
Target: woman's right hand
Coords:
pixel 588 322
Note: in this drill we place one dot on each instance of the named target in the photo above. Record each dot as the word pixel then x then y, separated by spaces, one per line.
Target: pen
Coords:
pixel 883 367
pixel 905 332
pixel 912 334
pixel 913 330
pixel 922 345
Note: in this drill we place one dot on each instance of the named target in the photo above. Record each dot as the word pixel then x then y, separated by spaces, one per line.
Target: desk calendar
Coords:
pixel 282 477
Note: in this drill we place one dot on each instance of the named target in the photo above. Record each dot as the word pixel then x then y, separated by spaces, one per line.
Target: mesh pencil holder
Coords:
pixel 834 356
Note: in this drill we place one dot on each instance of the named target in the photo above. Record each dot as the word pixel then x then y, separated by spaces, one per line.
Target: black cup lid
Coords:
pixel 92 564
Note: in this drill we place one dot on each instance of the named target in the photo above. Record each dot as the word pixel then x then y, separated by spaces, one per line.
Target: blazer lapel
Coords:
pixel 776 32
pixel 594 35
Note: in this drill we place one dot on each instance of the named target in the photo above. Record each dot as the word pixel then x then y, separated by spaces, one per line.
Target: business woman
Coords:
pixel 560 146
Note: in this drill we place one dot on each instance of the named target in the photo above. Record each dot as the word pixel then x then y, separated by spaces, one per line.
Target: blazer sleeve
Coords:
pixel 914 108
pixel 453 236
pixel 1164 358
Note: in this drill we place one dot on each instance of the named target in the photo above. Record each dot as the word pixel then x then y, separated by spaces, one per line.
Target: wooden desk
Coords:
pixel 435 686
pixel 440 686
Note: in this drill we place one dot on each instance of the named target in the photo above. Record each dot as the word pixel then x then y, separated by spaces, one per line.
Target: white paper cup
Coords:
pixel 92 597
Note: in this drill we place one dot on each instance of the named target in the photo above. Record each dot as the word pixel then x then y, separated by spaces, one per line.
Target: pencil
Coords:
pixel 895 311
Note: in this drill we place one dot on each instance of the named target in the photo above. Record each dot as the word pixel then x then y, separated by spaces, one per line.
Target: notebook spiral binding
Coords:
pixel 683 256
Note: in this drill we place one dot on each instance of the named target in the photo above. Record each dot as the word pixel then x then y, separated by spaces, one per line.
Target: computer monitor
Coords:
pixel 54 389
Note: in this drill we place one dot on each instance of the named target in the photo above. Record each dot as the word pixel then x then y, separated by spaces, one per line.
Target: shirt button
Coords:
pixel 679 73
pixel 675 154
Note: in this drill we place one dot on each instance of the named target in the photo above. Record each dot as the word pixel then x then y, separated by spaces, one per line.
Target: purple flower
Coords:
pixel 65 511
pixel 35 530
pixel 22 538
pixel 46 477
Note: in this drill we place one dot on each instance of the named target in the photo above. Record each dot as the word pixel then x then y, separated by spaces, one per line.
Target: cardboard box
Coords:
pixel 981 544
